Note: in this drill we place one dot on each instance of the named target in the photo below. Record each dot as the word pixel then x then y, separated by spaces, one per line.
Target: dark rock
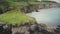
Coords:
pixel 57 31
pixel 5 30
pixel 37 11
pixel 31 31
pixel 1 28
pixel 1 12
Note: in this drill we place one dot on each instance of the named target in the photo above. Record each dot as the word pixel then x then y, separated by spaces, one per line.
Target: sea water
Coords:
pixel 50 17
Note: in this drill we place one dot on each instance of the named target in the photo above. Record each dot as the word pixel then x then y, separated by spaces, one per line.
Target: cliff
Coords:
pixel 48 5
pixel 35 7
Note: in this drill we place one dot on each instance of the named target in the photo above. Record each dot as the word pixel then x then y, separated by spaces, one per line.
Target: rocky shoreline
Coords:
pixel 35 29
pixel 52 5
pixel 29 29
pixel 35 7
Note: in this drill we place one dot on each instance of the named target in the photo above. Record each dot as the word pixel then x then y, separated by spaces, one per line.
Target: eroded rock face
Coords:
pixel 36 7
pixel 32 29
pixel 28 29
pixel 25 29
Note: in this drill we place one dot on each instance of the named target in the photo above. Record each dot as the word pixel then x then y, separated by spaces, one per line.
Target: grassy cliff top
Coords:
pixel 14 17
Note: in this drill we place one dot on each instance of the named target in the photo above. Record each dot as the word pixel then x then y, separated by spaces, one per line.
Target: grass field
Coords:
pixel 15 17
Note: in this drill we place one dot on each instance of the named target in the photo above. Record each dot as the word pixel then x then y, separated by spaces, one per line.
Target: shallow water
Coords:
pixel 51 16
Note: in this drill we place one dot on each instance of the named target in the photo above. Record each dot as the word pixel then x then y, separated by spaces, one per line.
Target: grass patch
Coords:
pixel 14 17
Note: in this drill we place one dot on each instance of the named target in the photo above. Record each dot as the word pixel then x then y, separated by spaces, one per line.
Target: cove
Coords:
pixel 50 17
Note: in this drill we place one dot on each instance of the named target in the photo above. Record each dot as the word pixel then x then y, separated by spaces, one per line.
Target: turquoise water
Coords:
pixel 50 16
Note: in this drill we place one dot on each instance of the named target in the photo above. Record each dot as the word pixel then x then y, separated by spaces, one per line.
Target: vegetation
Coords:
pixel 16 16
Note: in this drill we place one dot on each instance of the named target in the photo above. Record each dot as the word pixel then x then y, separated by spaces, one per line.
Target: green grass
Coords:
pixel 18 3
pixel 14 17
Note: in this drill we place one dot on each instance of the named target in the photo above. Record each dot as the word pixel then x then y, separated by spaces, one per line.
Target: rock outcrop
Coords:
pixel 32 29
pixel 35 7
pixel 48 5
